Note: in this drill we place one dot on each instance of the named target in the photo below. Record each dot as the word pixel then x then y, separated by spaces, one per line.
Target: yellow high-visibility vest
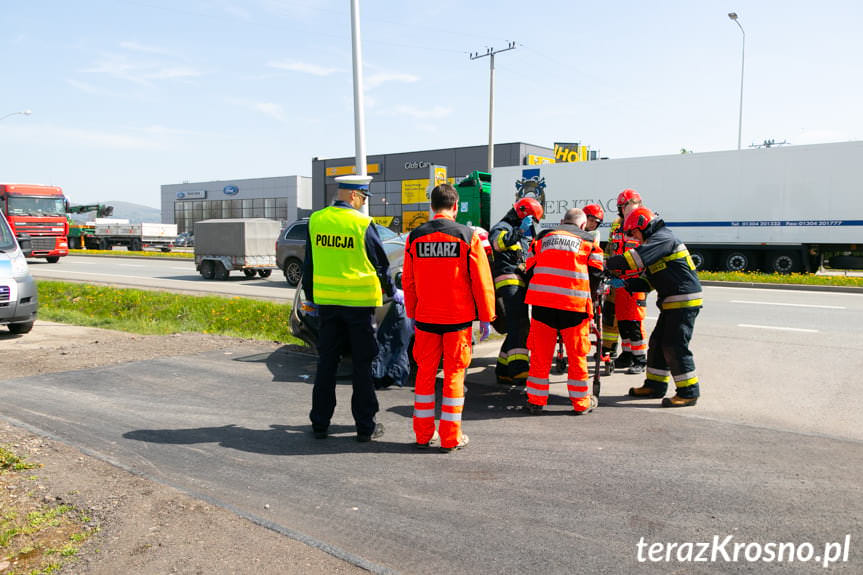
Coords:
pixel 343 273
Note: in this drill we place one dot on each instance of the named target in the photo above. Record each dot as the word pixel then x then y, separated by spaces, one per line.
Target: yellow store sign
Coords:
pixel 416 191
pixel 413 220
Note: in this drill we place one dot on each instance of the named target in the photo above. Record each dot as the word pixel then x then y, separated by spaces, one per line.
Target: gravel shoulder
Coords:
pixel 144 527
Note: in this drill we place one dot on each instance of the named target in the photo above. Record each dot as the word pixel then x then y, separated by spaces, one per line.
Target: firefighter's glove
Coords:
pixel 617 283
pixel 310 309
pixel 399 296
pixel 484 329
pixel 526 226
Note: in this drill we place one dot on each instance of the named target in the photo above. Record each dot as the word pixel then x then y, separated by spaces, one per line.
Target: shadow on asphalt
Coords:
pixel 277 440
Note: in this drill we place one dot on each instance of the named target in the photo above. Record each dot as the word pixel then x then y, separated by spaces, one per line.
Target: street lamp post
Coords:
pixel 22 113
pixel 359 113
pixel 733 16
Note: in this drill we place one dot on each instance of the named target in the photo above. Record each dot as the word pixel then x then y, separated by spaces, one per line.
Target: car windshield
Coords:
pixel 7 240
pixel 37 206
pixel 385 233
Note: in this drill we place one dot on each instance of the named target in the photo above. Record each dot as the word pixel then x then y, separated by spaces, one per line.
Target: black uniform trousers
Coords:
pixel 517 328
pixel 668 351
pixel 341 326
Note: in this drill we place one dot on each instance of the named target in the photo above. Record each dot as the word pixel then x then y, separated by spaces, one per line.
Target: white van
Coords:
pixel 18 299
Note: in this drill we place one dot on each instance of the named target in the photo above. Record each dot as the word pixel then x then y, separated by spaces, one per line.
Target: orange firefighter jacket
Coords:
pixel 446 277
pixel 560 266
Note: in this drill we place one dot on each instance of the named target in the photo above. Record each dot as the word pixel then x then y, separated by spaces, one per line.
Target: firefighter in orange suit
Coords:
pixel 563 270
pixel 625 312
pixel 447 284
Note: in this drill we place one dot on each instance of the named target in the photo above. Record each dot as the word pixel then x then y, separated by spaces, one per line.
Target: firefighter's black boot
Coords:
pixel 639 363
pixel 623 361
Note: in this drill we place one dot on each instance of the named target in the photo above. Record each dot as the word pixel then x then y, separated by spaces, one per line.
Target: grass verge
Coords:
pixel 796 279
pixel 38 534
pixel 163 313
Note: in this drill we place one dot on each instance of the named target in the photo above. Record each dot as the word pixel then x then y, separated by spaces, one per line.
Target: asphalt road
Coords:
pixel 772 453
pixel 159 273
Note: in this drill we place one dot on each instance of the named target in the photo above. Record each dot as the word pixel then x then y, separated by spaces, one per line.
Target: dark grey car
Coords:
pixel 306 328
pixel 291 248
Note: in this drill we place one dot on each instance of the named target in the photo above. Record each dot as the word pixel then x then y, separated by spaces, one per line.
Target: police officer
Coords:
pixel 510 239
pixel 447 283
pixel 344 273
pixel 625 312
pixel 669 270
pixel 564 270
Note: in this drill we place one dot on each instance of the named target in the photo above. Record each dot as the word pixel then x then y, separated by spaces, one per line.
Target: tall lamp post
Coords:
pixel 22 112
pixel 359 113
pixel 733 16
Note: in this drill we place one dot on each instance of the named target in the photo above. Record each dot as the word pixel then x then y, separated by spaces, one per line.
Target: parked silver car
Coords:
pixel 291 248
pixel 18 296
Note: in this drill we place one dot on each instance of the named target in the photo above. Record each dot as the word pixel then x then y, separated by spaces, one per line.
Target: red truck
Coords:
pixel 38 213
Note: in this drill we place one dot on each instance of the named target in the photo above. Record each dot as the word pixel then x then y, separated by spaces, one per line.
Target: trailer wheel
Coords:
pixel 208 271
pixel 104 245
pixel 783 262
pixel 220 273
pixel 166 249
pixel 249 273
pixel 702 259
pixel 135 246
pixel 265 273
pixel 738 261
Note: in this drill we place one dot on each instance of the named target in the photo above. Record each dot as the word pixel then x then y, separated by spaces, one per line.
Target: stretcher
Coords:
pixel 603 362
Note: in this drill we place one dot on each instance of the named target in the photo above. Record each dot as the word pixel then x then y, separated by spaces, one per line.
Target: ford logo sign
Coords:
pixel 231 190
pixel 181 195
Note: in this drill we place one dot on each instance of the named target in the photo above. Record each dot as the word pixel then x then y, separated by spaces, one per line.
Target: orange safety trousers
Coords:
pixel 541 342
pixel 455 348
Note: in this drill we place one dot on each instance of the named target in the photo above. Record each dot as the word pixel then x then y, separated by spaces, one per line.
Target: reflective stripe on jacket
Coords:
pixel 668 268
pixel 446 276
pixel 559 269
pixel 343 274
pixel 509 246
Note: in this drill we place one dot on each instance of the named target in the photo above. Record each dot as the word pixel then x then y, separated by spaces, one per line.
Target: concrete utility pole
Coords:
pixel 490 52
pixel 359 116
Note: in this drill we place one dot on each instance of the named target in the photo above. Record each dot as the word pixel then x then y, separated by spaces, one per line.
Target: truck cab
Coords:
pixel 18 298
pixel 37 212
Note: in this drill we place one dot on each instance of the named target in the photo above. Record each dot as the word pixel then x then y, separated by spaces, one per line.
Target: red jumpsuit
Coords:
pixel 629 309
pixel 560 267
pixel 447 284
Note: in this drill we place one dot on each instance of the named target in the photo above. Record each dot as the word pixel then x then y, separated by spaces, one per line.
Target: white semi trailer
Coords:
pixel 780 209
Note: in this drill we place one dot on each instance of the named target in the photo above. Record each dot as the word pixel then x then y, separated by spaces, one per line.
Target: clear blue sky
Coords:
pixel 129 95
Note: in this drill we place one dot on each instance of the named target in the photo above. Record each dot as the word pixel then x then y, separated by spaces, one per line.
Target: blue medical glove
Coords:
pixel 310 309
pixel 399 296
pixel 617 283
pixel 526 226
pixel 484 329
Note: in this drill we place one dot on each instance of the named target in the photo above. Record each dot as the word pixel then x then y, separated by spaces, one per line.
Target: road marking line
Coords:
pixel 777 327
pixel 788 304
pixel 132 265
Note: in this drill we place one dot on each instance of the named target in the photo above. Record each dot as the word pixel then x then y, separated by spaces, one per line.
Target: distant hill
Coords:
pixel 135 213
